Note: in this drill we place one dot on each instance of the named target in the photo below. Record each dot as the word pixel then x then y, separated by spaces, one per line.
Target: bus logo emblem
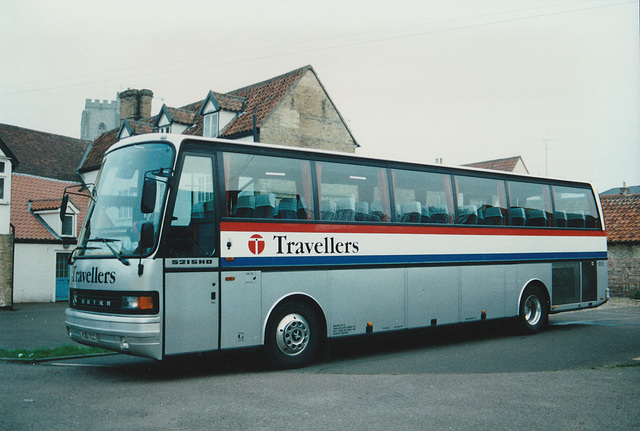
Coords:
pixel 256 244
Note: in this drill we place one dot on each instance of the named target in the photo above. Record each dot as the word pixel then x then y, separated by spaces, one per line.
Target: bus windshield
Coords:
pixel 114 221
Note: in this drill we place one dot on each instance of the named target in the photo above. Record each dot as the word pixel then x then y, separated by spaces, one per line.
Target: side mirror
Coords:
pixel 63 207
pixel 149 190
pixel 147 236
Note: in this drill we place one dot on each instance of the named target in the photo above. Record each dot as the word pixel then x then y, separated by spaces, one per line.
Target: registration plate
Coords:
pixel 89 336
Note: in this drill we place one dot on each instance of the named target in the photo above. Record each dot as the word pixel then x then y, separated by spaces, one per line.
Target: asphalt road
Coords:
pixel 582 373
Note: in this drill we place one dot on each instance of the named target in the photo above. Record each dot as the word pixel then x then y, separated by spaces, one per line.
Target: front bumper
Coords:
pixel 133 335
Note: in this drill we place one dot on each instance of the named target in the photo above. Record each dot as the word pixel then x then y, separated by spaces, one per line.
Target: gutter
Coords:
pixel 44 223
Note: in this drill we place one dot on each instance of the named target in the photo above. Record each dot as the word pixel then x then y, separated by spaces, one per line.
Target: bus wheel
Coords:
pixel 534 312
pixel 292 336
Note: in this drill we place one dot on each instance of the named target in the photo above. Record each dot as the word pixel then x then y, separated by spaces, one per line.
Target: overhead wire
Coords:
pixel 339 45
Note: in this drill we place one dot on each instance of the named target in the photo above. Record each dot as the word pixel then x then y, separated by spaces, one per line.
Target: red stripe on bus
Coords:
pixel 251 226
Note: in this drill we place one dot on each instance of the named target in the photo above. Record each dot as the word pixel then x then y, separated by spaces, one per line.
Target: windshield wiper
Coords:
pixel 106 242
pixel 70 260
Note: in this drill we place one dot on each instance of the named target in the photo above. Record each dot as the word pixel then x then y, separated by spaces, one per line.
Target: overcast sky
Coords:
pixel 557 82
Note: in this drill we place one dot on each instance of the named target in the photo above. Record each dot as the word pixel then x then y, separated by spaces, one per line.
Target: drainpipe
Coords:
pixel 13 261
pixel 255 127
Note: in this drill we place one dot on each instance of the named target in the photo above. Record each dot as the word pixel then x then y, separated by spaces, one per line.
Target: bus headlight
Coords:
pixel 141 303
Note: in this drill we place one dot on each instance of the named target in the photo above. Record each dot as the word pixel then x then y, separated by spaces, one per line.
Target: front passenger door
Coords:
pixel 191 266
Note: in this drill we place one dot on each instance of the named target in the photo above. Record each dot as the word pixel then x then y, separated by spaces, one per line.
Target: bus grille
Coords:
pixel 95 300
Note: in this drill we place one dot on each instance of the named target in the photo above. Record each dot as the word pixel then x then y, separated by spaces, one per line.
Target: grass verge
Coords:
pixel 62 351
pixel 634 364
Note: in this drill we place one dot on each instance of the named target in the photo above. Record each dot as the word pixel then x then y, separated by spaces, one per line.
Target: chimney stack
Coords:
pixel 135 104
pixel 624 190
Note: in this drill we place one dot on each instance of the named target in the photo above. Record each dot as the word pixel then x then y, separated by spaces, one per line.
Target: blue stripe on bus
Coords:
pixel 406 259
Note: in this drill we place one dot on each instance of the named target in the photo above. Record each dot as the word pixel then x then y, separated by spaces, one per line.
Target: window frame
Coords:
pixel 381 180
pixel 5 182
pixel 229 196
pixel 173 197
pixel 207 122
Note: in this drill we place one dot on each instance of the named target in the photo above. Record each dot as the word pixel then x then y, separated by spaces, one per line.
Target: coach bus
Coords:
pixel 193 245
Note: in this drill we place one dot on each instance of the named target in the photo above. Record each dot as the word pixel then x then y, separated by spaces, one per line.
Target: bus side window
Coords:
pixel 192 230
pixel 479 196
pixel 577 205
pixel 533 201
pixel 353 193
pixel 267 187
pixel 422 197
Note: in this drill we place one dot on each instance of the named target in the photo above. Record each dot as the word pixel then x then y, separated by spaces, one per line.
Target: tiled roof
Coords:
pixel 619 190
pixel 101 144
pixel 7 152
pixel 262 98
pixel 141 127
pixel 181 116
pixel 230 102
pixel 259 99
pixel 44 154
pixel 196 129
pixel 45 204
pixel 507 164
pixel 622 217
pixel 96 152
pixel 226 101
pixel 31 193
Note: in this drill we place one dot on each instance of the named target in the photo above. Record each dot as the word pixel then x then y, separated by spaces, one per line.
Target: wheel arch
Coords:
pixel 297 297
pixel 536 282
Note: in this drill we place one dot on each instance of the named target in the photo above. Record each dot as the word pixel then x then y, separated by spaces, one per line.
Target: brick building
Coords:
pixel 32 191
pixel 8 162
pixel 291 109
pixel 622 220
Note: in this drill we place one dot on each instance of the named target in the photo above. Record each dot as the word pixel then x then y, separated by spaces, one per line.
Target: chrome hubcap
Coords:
pixel 532 310
pixel 292 334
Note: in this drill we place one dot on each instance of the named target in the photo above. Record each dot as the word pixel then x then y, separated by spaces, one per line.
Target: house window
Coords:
pixel 62 265
pixel 2 180
pixel 165 129
pixel 210 125
pixel 67 226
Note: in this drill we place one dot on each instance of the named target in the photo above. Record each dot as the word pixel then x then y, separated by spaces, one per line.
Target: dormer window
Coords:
pixel 68 225
pixel 210 125
pixel 165 129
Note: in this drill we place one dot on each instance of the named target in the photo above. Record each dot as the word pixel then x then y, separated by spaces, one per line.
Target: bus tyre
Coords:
pixel 292 336
pixel 534 310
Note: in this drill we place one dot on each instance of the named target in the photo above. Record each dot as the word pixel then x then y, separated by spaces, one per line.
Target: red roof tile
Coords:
pixel 30 193
pixel 226 101
pixel 181 116
pixel 44 154
pixel 141 127
pixel 196 129
pixel 622 217
pixel 262 98
pixel 45 204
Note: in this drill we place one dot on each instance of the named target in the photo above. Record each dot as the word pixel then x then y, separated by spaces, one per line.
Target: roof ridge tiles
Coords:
pixel 270 80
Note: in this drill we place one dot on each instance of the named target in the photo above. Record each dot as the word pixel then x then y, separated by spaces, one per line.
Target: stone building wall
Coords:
pixel 98 117
pixel 306 118
pixel 624 269
pixel 6 270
